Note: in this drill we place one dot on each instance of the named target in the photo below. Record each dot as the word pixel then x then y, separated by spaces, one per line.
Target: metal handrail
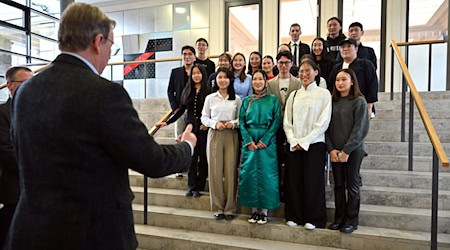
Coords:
pixel 3 85
pixel 400 44
pixel 438 150
pixel 421 108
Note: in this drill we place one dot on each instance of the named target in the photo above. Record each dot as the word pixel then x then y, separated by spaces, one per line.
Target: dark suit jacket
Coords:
pixel 9 173
pixel 302 50
pixel 176 86
pixel 76 134
pixel 367 78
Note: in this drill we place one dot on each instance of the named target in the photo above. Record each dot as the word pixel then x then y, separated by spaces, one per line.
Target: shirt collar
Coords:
pixel 220 96
pixel 311 86
pixel 89 64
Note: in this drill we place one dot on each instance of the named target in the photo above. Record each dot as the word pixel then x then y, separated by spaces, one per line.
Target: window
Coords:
pixel 243 29
pixel 303 12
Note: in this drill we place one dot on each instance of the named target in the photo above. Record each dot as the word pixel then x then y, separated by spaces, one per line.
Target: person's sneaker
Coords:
pixel 197 194
pixel 309 226
pixel 254 218
pixel 189 193
pixel 262 219
pixel 291 223
pixel 178 175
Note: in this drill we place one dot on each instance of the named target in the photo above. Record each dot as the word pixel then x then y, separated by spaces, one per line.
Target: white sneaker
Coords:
pixel 291 223
pixel 309 226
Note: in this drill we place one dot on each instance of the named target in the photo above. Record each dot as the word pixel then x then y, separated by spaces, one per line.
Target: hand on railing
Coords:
pixel 161 124
pixel 164 118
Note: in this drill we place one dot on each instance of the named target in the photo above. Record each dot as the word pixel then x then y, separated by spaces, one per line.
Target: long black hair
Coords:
pixel 230 90
pixel 250 65
pixel 324 55
pixel 187 96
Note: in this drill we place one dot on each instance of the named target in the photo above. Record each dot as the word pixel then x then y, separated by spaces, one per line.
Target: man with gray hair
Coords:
pixel 9 173
pixel 76 134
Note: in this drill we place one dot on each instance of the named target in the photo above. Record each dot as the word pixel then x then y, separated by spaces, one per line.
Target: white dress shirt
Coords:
pixel 307 117
pixel 217 108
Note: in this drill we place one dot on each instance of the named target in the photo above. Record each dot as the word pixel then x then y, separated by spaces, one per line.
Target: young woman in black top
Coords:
pixel 321 57
pixel 192 100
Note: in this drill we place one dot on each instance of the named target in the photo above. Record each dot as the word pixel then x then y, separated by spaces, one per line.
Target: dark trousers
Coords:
pixel 305 186
pixel 198 171
pixel 347 180
pixel 281 154
pixel 6 215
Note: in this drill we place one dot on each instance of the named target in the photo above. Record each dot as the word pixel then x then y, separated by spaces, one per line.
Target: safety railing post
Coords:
pixel 434 201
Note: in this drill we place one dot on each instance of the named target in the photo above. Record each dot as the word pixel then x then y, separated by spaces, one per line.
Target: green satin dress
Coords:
pixel 259 120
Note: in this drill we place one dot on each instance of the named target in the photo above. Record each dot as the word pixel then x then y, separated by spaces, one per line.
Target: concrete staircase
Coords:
pixel 395 204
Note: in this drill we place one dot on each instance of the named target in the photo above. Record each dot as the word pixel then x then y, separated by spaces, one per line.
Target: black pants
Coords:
pixel 305 186
pixel 6 215
pixel 282 147
pixel 198 171
pixel 347 180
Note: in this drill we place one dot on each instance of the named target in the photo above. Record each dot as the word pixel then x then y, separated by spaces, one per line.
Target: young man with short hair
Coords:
pixel 355 32
pixel 298 48
pixel 202 46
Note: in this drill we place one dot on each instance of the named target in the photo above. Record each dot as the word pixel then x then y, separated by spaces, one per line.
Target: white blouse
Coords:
pixel 217 108
pixel 307 117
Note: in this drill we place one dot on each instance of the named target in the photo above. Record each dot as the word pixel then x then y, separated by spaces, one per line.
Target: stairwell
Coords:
pixel 395 203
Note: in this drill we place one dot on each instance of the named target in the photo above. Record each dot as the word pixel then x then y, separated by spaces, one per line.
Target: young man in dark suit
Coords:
pixel 9 172
pixel 76 134
pixel 178 79
pixel 298 48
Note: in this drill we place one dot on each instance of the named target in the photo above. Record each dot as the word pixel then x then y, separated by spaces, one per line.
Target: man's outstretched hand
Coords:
pixel 189 136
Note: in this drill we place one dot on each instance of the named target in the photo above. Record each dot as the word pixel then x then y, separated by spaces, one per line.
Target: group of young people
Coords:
pixel 265 129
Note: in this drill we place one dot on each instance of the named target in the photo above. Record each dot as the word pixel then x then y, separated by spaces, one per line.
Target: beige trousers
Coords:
pixel 222 153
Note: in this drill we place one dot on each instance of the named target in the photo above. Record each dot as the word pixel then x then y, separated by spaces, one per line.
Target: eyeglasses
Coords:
pixel 285 62
pixel 114 49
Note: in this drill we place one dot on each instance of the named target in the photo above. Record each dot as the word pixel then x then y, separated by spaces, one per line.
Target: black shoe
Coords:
pixel 189 193
pixel 335 226
pixel 365 154
pixel 197 194
pixel 179 175
pixel 229 217
pixel 348 229
pixel 254 218
pixel 262 219
pixel 219 216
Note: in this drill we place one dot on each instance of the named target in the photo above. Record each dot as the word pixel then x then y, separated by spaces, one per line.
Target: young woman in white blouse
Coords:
pixel 307 116
pixel 221 114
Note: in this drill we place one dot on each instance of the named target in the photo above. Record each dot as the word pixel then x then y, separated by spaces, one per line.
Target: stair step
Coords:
pixel 168 238
pixel 398 197
pixel 401 148
pixel 403 179
pixel 398 163
pixel 363 238
pixel 382 210
pixel 395 136
pixel 370 177
pixel 395 124
pixel 428 95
